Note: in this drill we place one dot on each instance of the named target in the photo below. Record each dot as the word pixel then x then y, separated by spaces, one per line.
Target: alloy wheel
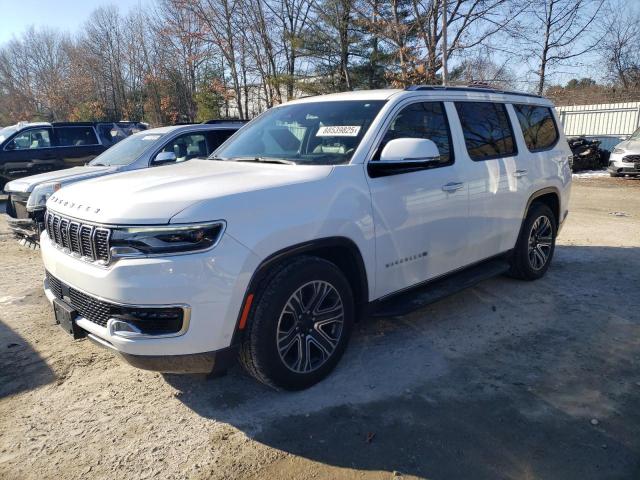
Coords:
pixel 540 242
pixel 310 326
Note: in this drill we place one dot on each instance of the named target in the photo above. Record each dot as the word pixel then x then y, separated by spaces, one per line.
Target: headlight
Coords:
pixel 41 194
pixel 154 240
pixel 618 150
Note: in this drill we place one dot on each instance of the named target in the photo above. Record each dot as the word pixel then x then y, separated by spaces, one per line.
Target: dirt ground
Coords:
pixel 505 380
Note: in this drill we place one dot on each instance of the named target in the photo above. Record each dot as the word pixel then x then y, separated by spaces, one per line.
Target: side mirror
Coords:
pixel 11 145
pixel 165 157
pixel 404 155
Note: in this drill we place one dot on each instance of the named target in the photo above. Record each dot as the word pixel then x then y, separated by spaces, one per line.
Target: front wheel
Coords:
pixel 300 325
pixel 536 244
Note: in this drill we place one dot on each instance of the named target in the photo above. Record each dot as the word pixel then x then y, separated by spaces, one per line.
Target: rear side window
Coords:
pixel 426 120
pixel 486 129
pixel 538 127
pixel 217 138
pixel 76 136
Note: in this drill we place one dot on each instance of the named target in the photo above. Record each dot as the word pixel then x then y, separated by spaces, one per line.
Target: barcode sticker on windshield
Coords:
pixel 338 131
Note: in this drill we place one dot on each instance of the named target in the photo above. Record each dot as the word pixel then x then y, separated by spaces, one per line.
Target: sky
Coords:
pixel 67 15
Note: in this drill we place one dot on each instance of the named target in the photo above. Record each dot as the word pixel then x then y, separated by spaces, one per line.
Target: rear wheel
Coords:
pixel 300 325
pixel 536 244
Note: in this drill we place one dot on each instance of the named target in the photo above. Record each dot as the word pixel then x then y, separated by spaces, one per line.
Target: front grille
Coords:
pixel 83 239
pixel 631 158
pixel 94 310
pixel 150 320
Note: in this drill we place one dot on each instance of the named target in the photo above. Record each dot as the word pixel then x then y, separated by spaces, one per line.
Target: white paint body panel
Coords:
pixel 406 228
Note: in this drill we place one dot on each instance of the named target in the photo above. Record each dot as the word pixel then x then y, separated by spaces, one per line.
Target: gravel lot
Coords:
pixel 505 380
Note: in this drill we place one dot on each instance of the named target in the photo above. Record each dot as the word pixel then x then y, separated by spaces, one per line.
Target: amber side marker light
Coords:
pixel 245 312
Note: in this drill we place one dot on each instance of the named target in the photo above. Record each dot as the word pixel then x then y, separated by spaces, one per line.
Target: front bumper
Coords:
pixel 618 165
pixel 211 283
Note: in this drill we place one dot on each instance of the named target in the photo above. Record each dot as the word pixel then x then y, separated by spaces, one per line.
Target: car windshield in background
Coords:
pixel 127 150
pixel 634 136
pixel 6 132
pixel 317 133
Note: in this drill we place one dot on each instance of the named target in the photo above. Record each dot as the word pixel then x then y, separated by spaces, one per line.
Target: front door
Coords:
pixel 420 217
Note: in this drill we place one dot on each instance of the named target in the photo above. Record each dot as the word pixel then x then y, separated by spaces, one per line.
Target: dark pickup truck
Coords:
pixel 31 148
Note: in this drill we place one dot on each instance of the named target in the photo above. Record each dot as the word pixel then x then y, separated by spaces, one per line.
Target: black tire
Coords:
pixel 260 353
pixel 615 175
pixel 523 266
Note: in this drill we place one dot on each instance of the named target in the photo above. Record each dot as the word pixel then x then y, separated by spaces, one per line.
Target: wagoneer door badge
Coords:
pixel 401 261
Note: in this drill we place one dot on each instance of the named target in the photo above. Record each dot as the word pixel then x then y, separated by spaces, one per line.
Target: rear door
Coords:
pixel 420 217
pixel 29 152
pixel 77 144
pixel 495 195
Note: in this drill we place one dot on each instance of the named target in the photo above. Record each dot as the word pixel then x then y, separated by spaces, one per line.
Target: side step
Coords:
pixel 423 295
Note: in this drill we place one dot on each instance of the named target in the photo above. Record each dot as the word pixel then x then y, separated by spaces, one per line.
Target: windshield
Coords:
pixel 634 136
pixel 318 133
pixel 6 132
pixel 127 150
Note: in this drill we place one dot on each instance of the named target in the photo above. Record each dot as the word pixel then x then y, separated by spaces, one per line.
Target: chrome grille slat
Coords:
pixel 64 232
pixel 88 241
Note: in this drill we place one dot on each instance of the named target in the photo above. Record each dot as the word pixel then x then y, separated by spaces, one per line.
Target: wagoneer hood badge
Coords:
pixel 79 207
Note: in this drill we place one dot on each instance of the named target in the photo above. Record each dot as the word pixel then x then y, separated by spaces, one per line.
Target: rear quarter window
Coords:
pixel 538 127
pixel 486 129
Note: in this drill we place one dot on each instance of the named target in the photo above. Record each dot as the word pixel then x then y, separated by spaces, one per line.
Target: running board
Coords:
pixel 418 297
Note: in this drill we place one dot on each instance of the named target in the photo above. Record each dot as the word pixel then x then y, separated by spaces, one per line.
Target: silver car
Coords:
pixel 149 148
pixel 625 158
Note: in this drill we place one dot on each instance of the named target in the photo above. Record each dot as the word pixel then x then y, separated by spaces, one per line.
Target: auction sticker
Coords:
pixel 338 131
pixel 150 138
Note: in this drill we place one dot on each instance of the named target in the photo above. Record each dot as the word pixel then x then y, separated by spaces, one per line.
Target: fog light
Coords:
pixel 133 322
pixel 123 329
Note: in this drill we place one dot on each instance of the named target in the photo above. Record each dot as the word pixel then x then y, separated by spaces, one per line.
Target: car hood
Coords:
pixel 154 195
pixel 27 184
pixel 629 146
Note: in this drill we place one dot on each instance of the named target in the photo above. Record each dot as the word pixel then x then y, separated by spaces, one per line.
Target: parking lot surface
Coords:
pixel 508 379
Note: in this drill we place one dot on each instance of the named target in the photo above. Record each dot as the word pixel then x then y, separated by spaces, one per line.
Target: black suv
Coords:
pixel 30 148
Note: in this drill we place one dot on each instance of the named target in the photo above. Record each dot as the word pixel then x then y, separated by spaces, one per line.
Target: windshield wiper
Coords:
pixel 263 160
pixel 97 164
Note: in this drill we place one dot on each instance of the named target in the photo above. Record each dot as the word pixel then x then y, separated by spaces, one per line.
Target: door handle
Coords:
pixel 520 173
pixel 452 187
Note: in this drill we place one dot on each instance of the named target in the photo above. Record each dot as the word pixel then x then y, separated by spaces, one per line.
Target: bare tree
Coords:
pixel 619 46
pixel 555 32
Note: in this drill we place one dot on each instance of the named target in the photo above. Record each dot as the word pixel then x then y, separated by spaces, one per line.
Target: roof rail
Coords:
pixel 224 120
pixel 473 88
pixel 73 124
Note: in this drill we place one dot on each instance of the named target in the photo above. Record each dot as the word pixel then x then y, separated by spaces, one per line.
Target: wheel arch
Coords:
pixel 549 196
pixel 341 251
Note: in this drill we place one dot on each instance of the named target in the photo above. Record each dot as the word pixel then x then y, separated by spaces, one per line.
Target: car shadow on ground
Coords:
pixel 21 368
pixel 508 379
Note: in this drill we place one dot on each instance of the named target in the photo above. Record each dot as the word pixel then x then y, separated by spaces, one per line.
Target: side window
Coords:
pixel 217 138
pixel 426 120
pixel 486 129
pixel 188 146
pixel 31 139
pixel 76 136
pixel 538 127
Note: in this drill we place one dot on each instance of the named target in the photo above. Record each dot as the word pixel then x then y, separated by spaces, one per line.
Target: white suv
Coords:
pixel 316 213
